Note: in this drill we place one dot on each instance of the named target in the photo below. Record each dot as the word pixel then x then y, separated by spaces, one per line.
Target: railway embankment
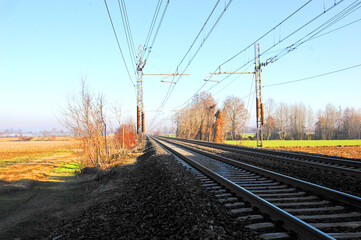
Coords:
pixel 153 198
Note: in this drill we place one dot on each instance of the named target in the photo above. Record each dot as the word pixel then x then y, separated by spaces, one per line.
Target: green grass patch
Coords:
pixel 67 169
pixel 297 143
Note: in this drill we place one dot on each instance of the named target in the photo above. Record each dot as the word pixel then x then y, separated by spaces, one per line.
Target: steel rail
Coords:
pixel 329 159
pixel 289 222
pixel 286 157
pixel 328 193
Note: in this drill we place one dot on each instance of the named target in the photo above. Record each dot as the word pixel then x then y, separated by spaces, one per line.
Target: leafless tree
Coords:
pixel 327 123
pixel 297 120
pixel 282 120
pixel 235 115
pixel 351 123
pixel 84 118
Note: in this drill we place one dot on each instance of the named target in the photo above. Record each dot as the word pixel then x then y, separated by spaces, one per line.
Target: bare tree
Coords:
pixel 196 120
pixel 310 121
pixel 351 123
pixel 327 123
pixel 282 120
pixel 297 120
pixel 235 115
pixel 84 118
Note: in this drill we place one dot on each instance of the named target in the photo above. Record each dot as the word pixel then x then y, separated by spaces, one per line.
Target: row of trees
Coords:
pixel 296 121
pixel 202 119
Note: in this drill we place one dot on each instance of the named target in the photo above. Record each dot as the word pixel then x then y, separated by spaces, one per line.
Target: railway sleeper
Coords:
pixel 292 194
pixel 287 190
pixel 228 200
pixel 356 225
pixel 275 236
pixel 349 235
pixel 291 199
pixel 302 204
pixel 254 181
pixel 329 216
pixel 259 184
pixel 314 211
pixel 261 227
pixel 345 217
pixel 255 187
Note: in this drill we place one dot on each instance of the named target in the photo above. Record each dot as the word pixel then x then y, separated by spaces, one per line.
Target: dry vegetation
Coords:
pixel 339 151
pixel 34 160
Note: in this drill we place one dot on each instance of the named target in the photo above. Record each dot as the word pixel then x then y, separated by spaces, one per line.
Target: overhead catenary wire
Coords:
pixel 316 32
pixel 152 24
pixel 280 41
pixel 171 88
pixel 312 77
pixel 120 49
pixel 128 32
pixel 250 45
pixel 197 51
pixel 150 47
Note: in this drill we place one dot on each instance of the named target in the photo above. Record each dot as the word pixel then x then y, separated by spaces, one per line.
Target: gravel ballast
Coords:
pixel 155 198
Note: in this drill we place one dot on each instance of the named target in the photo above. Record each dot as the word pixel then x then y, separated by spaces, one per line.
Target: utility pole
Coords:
pixel 140 106
pixel 259 104
pixel 140 103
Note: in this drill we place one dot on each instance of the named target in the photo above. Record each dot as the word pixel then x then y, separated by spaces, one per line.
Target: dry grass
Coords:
pixel 344 151
pixel 35 160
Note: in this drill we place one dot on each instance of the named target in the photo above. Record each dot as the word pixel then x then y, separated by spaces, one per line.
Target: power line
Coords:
pixel 313 34
pixel 128 32
pixel 116 37
pixel 265 34
pixel 156 32
pixel 294 32
pixel 152 24
pixel 345 12
pixel 197 51
pixel 316 76
pixel 171 88
pixel 262 36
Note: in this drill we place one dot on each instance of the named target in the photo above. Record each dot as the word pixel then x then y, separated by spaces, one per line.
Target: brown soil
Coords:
pixel 344 151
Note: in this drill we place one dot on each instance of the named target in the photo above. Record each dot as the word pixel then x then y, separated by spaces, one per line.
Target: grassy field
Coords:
pixel 38 182
pixel 297 143
pixel 37 160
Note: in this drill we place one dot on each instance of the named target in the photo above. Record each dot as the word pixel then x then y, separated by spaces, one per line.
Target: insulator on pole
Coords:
pixel 138 119
pixel 257 107
pixel 262 115
pixel 143 123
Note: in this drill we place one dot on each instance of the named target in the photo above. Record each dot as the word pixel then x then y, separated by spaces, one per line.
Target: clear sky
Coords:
pixel 47 46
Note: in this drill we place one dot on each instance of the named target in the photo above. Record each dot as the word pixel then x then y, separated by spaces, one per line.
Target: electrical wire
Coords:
pixel 195 54
pixel 128 32
pixel 152 24
pixel 265 34
pixel 157 31
pixel 281 40
pixel 171 88
pixel 316 76
pixel 261 37
pixel 315 33
pixel 116 37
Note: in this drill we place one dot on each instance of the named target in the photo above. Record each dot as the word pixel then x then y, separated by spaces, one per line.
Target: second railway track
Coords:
pixel 339 165
pixel 312 211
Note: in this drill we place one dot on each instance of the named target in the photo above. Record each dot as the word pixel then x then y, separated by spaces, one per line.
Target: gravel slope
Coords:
pixel 155 198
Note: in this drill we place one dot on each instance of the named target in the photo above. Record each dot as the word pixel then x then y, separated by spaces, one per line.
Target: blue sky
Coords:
pixel 47 46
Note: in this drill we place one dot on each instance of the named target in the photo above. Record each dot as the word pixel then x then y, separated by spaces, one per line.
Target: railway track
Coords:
pixel 339 165
pixel 309 210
